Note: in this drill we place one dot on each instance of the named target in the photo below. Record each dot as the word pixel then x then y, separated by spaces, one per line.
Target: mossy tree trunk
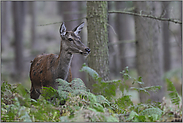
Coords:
pixel 97 39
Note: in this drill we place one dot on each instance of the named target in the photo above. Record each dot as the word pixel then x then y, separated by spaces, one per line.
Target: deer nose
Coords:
pixel 88 50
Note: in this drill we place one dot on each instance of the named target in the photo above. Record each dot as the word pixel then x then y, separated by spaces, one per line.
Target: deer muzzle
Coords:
pixel 86 52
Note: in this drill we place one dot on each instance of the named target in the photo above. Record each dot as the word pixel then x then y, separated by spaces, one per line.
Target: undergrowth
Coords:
pixel 73 102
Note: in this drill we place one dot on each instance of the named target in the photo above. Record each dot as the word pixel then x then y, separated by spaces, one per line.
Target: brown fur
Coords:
pixel 42 75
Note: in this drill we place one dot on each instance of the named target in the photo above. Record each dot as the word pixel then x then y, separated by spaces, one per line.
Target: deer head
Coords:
pixel 71 41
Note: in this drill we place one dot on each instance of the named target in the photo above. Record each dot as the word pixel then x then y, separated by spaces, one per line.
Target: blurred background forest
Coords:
pixel 32 28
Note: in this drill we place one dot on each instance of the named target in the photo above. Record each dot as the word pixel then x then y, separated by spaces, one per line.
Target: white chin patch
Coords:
pixel 80 51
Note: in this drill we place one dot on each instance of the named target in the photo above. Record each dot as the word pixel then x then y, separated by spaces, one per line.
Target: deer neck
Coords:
pixel 63 62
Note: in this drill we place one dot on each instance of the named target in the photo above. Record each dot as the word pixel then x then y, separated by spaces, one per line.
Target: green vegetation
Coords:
pixel 73 102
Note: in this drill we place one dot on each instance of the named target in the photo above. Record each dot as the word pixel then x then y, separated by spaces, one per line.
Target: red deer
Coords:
pixel 46 68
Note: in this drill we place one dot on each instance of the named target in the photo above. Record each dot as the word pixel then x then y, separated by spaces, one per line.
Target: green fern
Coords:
pixel 90 71
pixel 173 92
pixel 78 84
pixel 102 100
pixel 153 114
pixel 151 111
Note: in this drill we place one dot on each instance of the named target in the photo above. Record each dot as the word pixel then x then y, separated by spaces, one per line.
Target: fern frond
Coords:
pixel 90 71
pixel 173 92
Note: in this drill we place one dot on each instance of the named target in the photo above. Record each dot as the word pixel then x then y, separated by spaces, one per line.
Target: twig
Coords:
pixel 123 12
pixel 61 22
pixel 112 28
pixel 122 41
pixel 148 16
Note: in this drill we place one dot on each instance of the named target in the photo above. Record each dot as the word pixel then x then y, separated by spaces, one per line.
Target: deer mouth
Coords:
pixel 84 53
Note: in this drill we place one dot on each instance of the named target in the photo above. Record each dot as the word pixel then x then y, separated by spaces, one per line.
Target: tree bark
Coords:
pixel 166 38
pixel 97 39
pixel 5 23
pixel 122 32
pixel 19 20
pixel 33 24
pixel 148 46
pixel 180 35
pixel 113 49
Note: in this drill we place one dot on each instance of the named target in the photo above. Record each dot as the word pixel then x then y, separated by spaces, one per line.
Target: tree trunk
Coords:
pixel 166 38
pixel 180 35
pixel 113 49
pixel 19 18
pixel 97 39
pixel 148 46
pixel 5 23
pixel 122 32
pixel 33 24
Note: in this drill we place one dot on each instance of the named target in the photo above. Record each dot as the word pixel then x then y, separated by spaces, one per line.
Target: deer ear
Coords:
pixel 62 29
pixel 78 29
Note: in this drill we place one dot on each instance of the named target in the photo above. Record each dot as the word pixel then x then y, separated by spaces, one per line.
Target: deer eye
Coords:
pixel 70 39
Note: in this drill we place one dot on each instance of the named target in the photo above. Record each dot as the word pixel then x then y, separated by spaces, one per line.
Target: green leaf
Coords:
pixel 78 87
pixel 102 100
pixel 63 85
pixel 138 81
pixel 132 115
pixel 140 90
pixel 124 101
pixel 92 109
pixel 64 119
pixel 153 88
pixel 98 107
pixel 63 89
pixel 155 117
pixel 173 92
pixel 80 92
pixel 24 115
pixel 48 92
pixel 23 91
pixel 112 119
pixel 90 71
pixel 140 118
pixel 92 98
pixel 78 84
pixel 111 81
pixel 152 112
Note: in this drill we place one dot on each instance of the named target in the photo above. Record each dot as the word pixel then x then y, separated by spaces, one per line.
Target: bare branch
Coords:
pixel 123 12
pixel 148 16
pixel 61 22
pixel 122 41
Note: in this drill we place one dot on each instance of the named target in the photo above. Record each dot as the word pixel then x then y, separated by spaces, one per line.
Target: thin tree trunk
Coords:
pixel 122 32
pixel 180 35
pixel 113 49
pixel 5 23
pixel 97 39
pixel 166 39
pixel 148 50
pixel 33 24
pixel 19 18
